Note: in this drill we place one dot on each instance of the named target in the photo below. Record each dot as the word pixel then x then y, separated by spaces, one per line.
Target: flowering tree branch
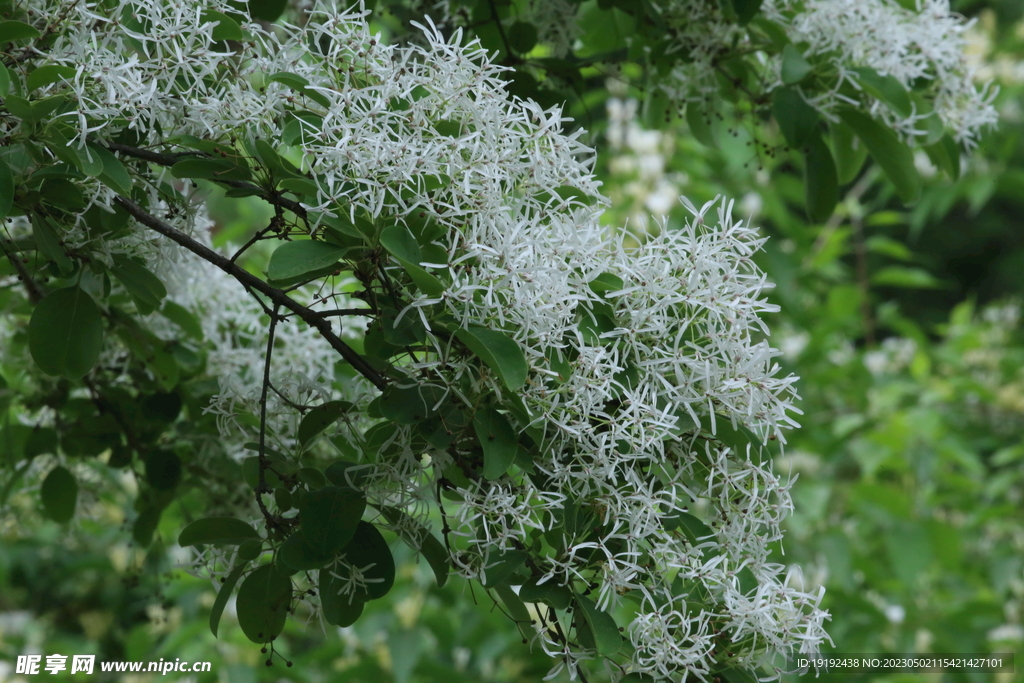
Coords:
pixel 278 297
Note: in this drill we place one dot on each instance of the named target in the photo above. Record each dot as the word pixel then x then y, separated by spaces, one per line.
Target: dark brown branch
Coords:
pixel 35 294
pixel 345 311
pixel 275 295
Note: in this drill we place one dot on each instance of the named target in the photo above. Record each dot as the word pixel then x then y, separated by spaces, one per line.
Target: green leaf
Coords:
pixel 368 550
pixel 794 67
pixel 746 10
pixel 498 440
pixel 163 470
pixel 549 592
pixel 499 351
pixel 60 494
pixel 210 169
pixel 320 418
pixel 11 31
pixel 267 10
pixel 895 158
pixel 47 74
pixel 299 186
pixel 49 245
pixel 514 604
pixel 607 639
pixel 183 318
pixel 278 165
pixel 747 581
pixel 20 107
pixel 114 175
pixel 522 36
pixel 223 596
pixel 737 438
pixel 65 333
pixel 262 604
pixel 401 244
pixel 338 609
pixel 250 550
pixel 6 189
pixel 348 474
pixel 696 531
pixel 821 182
pixel 145 525
pixel 422 540
pixel 217 530
pixel 302 257
pixel 606 282
pixel 311 477
pixel 886 89
pixel 330 517
pixel 226 28
pixel 298 554
pixel 409 405
pixel 797 120
pixel 503 566
pixel 5 81
pixel 945 154
pixel 848 152
pixel 906 277
pixel 145 288
pixel 301 86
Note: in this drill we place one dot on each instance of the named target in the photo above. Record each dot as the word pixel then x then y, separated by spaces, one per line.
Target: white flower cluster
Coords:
pixel 677 349
pixel 629 350
pixel 914 46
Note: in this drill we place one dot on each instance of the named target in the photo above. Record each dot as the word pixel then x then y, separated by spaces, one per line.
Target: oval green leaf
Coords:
pixel 797 120
pixel 262 604
pixel 502 566
pixel 794 67
pixel 498 440
pixel 297 554
pixel 320 418
pixel 65 333
pixel 60 494
pixel 330 517
pixel 299 258
pixel 607 639
pixel 886 89
pixel 16 30
pixel 217 530
pixel 369 552
pixel 114 175
pixel 400 243
pixel 848 152
pixel 820 180
pixel 499 351
pixel 895 158
pixel 338 609
pixel 222 597
pixel 47 74
pixel 145 288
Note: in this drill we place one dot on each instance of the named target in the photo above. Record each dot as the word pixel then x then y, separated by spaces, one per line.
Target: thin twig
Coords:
pixel 278 297
pixel 263 461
